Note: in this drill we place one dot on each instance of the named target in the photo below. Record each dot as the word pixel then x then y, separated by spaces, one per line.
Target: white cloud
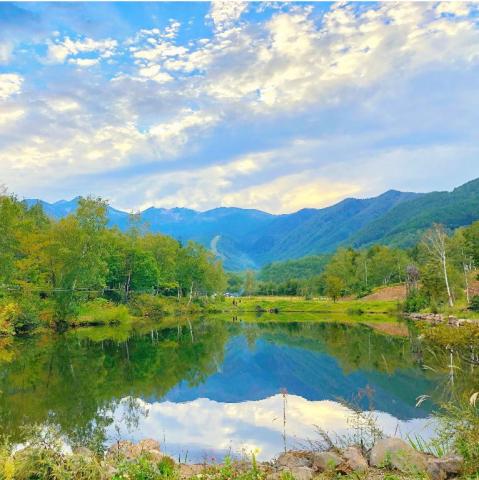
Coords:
pixel 10 84
pixel 6 49
pixel 171 135
pixel 293 61
pixel 9 116
pixel 84 62
pixel 61 49
pixel 224 13
pixel 153 72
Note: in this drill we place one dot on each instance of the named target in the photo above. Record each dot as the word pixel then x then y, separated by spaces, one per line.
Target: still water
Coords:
pixel 206 387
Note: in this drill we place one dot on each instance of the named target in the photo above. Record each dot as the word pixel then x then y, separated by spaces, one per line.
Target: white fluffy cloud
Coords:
pixel 59 50
pixel 10 84
pixel 225 13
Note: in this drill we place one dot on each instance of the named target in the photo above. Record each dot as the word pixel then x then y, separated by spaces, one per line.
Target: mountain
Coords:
pixel 312 231
pixel 402 226
pixel 247 238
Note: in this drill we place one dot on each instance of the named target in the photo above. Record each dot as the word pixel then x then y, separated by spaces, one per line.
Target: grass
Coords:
pixel 299 304
pixel 101 312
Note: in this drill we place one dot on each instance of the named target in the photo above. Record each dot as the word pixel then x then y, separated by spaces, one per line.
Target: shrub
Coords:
pixel 459 427
pixel 18 317
pixel 102 312
pixel 474 306
pixel 146 305
pixel 143 468
pixel 415 302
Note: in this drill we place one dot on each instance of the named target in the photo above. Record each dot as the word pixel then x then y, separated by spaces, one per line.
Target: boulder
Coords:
pixel 355 460
pixel 149 444
pixel 442 468
pixel 188 471
pixel 396 453
pixel 434 471
pixel 298 473
pixel 130 451
pixel 302 473
pixel 324 461
pixel 293 459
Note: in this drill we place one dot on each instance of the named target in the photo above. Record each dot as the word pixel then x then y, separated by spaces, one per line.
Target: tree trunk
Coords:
pixel 466 271
pixel 446 278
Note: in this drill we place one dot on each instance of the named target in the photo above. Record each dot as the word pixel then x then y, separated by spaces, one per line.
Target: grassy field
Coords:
pixel 299 304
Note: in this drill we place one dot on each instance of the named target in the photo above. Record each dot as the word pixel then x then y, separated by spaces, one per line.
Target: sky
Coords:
pixel 275 106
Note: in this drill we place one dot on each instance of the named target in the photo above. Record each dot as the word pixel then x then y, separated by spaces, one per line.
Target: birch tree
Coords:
pixel 435 243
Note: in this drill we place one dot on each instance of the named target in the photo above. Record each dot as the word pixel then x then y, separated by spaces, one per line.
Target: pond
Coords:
pixel 208 387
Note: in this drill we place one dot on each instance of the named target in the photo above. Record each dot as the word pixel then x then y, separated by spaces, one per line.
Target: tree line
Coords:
pixel 77 258
pixel 439 270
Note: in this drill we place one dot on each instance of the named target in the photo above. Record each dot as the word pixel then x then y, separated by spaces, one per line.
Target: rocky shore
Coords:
pixel 439 318
pixel 386 456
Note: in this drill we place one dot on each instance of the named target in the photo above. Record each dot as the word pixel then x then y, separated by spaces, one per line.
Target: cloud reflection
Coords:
pixel 205 428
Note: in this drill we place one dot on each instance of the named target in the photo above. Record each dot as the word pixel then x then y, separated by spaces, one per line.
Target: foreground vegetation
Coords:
pixel 454 453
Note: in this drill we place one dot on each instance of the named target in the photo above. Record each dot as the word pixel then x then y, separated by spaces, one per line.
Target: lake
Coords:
pixel 207 387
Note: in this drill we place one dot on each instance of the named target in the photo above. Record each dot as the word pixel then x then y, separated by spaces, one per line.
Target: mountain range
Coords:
pixel 247 238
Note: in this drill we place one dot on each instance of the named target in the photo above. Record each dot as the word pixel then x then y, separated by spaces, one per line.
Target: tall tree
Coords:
pixel 435 241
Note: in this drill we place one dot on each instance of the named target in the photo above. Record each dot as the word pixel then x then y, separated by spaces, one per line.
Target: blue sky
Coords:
pixel 276 106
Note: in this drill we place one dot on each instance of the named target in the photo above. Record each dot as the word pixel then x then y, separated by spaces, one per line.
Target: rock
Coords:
pixel 149 444
pixel 397 454
pixel 434 471
pixel 298 473
pixel 129 451
pixel 355 459
pixel 188 471
pixel 274 476
pixel 293 459
pixel 323 461
pixel 302 473
pixel 442 468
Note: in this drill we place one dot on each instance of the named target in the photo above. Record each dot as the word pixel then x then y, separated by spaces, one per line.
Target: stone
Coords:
pixel 355 459
pixel 396 453
pixel 302 473
pixel 129 451
pixel 324 461
pixel 293 459
pixel 188 471
pixel 434 471
pixel 149 444
pixel 298 473
pixel 442 468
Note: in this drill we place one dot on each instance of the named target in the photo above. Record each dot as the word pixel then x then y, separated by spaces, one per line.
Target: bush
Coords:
pixel 102 312
pixel 474 306
pixel 143 468
pixel 18 317
pixel 459 426
pixel 415 302
pixel 147 305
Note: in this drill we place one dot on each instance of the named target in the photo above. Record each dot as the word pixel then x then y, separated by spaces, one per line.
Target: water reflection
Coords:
pixel 212 384
pixel 204 428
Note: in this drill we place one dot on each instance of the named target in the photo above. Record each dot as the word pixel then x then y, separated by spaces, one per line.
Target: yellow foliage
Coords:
pixel 8 313
pixel 9 469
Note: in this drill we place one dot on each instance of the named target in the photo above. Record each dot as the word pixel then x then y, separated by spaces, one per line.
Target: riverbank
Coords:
pixel 387 459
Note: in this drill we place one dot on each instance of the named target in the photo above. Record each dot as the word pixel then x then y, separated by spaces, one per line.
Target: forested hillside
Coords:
pixel 403 225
